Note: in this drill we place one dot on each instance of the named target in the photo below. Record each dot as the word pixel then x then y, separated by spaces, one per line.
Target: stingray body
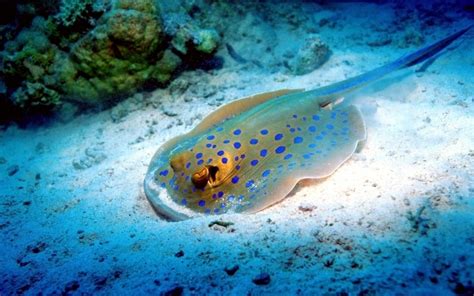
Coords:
pixel 249 154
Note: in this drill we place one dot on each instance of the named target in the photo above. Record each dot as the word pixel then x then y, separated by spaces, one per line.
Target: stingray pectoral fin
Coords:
pixel 237 107
pixel 319 155
pixel 333 150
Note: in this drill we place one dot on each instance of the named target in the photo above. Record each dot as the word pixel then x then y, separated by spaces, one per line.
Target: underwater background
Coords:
pixel 89 90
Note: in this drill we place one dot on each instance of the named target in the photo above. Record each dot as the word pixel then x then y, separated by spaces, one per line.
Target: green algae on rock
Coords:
pixel 118 56
pixel 95 51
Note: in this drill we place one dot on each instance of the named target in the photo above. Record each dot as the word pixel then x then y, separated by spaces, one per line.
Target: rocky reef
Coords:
pixel 91 52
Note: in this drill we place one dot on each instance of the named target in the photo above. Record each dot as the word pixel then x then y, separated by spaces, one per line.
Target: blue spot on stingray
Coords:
pixel 333 115
pixel 266 173
pixel 211 137
pixel 198 155
pixel 319 138
pixel 200 162
pixel 163 185
pixel 263 152
pixel 230 197
pixel 216 211
pixel 316 117
pixel 220 152
pixel 253 141
pixel 237 167
pixel 295 116
pixel 214 146
pixel 220 129
pixel 226 141
pixel 214 196
pixel 304 118
pixel 278 137
pixel 297 140
pixel 254 162
pixel 164 173
pixel 224 160
pixel 223 205
pixel 330 126
pixel 288 156
pixel 237 145
pixel 249 184
pixel 312 145
pixel 299 129
pixel 235 179
pixel 184 201
pixel 220 194
pixel 208 145
pixel 312 128
pixel 280 149
pixel 264 132
pixel 202 203
pixel 242 156
pixel 292 130
pixel 209 160
pixel 236 158
pixel 237 132
pixel 207 211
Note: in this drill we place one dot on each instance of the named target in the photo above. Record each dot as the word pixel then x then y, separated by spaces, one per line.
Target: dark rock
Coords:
pixel 179 254
pixel 71 286
pixel 38 248
pixel 231 270
pixel 221 223
pixel 262 279
pixel 460 289
pixel 100 282
pixel 305 207
pixel 23 289
pixel 12 170
pixel 176 291
pixel 433 279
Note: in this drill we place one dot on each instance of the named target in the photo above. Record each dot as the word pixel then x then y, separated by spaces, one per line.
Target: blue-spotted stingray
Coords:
pixel 249 154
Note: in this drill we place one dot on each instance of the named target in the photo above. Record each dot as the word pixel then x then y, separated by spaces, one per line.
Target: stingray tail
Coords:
pixel 337 90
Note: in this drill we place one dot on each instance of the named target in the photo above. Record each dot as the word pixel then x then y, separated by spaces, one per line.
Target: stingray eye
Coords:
pixel 207 174
pixel 200 178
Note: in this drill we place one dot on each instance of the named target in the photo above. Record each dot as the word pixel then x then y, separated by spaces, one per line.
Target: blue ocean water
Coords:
pixel 89 90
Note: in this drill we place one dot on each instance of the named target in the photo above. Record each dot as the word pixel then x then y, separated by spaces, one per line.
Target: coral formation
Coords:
pixel 311 56
pixel 93 51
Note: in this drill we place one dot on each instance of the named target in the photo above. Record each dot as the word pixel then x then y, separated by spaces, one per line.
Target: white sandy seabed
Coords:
pixel 398 217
